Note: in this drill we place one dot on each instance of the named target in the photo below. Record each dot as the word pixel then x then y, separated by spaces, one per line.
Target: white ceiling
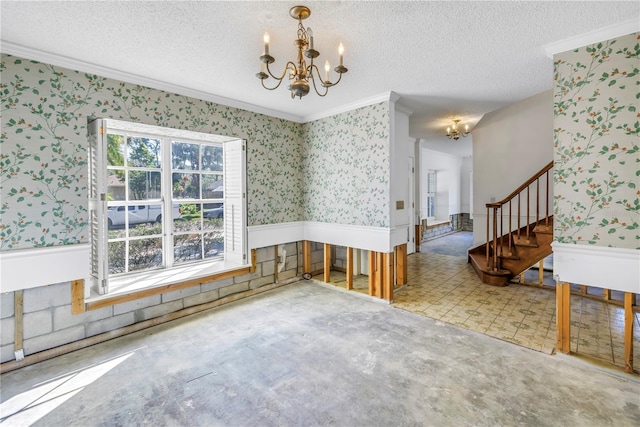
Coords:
pixel 445 59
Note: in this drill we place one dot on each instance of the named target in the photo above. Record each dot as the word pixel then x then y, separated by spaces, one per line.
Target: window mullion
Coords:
pixel 167 203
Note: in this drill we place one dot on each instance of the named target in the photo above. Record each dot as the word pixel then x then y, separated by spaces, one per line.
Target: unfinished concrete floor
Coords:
pixel 307 355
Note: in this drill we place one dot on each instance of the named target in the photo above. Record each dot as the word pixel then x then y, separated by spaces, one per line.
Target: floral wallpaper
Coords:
pixel 43 148
pixel 597 139
pixel 346 168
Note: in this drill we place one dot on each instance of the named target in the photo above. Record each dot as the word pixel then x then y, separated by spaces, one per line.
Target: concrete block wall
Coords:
pixel 433 232
pixel 467 222
pixel 339 257
pixel 456 223
pixel 317 256
pixel 291 254
pixel 48 322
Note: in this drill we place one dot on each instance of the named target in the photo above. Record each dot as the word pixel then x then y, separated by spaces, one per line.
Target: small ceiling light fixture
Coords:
pixel 299 72
pixel 454 133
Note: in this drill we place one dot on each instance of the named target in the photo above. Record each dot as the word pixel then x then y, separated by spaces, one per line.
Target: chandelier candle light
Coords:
pixel 299 72
pixel 455 133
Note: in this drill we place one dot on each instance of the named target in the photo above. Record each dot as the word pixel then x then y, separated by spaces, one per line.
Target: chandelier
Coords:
pixel 300 74
pixel 454 133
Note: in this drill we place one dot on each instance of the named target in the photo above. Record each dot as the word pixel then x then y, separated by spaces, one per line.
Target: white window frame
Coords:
pixel 234 199
pixel 431 193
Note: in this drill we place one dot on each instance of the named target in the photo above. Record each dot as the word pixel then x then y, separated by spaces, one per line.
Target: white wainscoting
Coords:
pixel 378 239
pixel 601 267
pixel 31 268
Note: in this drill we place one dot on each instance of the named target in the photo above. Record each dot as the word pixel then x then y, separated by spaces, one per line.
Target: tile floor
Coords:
pixel 445 287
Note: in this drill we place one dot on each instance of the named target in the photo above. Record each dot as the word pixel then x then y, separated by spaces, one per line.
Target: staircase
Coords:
pixel 512 247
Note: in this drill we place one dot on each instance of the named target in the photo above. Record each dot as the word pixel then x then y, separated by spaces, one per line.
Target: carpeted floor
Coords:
pixel 455 244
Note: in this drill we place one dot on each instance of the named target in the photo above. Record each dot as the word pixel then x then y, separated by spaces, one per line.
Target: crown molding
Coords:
pixel 384 97
pixel 112 73
pixel 606 33
pixel 404 109
pixel 86 67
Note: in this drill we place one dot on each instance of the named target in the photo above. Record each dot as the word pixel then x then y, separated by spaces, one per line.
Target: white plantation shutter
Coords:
pixel 235 218
pixel 97 135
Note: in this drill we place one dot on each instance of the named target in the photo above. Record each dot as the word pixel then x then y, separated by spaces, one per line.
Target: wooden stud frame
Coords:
pixel 349 278
pixel 18 310
pixel 563 317
pixel 541 272
pixel 379 273
pixel 77 297
pixel 401 264
pixel 275 263
pixel 327 263
pixel 254 262
pixel 629 302
pixel 306 251
pixel 388 277
pixel 372 273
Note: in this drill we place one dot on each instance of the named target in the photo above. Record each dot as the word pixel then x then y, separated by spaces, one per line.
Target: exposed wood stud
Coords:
pixel 379 273
pixel 401 264
pixel 306 251
pixel 18 303
pixel 606 294
pixel 275 263
pixel 583 289
pixel 349 279
pixel 541 272
pixel 77 297
pixel 388 272
pixel 629 302
pixel 254 262
pixel 563 317
pixel 559 316
pixel 327 263
pixel 372 273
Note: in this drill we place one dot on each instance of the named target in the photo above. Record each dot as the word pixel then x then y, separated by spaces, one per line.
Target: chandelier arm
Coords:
pixel 337 81
pixel 271 88
pixel 284 72
pixel 279 79
pixel 313 82
pixel 326 84
pixel 310 70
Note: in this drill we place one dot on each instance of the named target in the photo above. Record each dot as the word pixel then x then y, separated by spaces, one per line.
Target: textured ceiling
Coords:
pixel 445 59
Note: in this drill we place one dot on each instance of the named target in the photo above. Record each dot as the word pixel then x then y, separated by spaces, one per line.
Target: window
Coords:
pixel 163 198
pixel 431 193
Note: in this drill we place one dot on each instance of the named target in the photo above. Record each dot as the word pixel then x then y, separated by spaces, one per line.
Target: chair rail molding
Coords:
pixel 598 266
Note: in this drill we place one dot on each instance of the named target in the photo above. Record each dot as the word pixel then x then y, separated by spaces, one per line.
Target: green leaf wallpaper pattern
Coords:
pixel 597 144
pixel 346 168
pixel 331 170
pixel 43 156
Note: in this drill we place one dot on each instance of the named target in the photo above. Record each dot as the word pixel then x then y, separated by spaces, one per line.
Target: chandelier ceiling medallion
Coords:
pixel 454 133
pixel 300 74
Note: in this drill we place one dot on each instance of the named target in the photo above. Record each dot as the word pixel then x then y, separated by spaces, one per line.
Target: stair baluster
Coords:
pixel 494 250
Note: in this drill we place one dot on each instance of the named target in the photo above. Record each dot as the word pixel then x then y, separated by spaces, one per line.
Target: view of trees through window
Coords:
pixel 165 202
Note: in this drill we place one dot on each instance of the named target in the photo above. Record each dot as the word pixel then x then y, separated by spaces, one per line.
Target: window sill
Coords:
pixel 144 284
pixel 437 222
